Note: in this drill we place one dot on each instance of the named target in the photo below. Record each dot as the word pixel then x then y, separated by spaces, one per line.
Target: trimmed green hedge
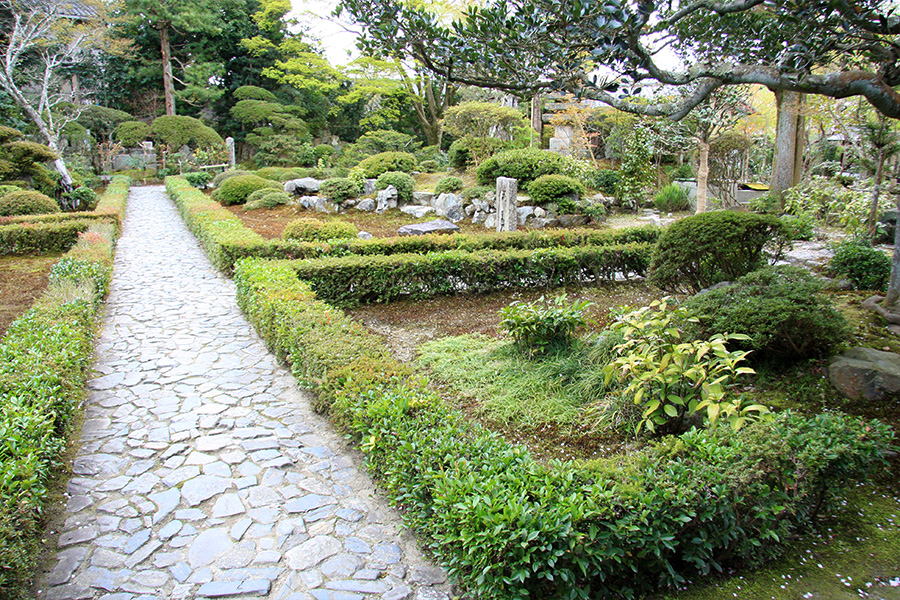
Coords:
pixel 350 280
pixel 45 360
pixel 38 238
pixel 507 526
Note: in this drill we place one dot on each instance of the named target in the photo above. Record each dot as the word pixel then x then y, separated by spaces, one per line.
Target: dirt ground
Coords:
pixel 22 280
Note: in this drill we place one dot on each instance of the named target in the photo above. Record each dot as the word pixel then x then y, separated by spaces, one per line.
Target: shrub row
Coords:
pixel 37 238
pixel 45 358
pixel 509 527
pixel 351 280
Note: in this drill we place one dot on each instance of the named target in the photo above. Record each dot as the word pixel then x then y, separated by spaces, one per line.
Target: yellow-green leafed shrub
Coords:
pixel 373 166
pixel 307 229
pixel 27 202
pixel 236 189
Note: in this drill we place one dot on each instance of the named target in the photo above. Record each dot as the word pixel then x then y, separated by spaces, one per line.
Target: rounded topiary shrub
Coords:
pixel 866 267
pixel 338 189
pixel 27 202
pixel 279 174
pixel 672 198
pixel 459 156
pixel 332 230
pixel 526 165
pixel 448 185
pixel 429 166
pixel 226 175
pixel 375 165
pixel 702 250
pixel 6 188
pixel 779 308
pixel 267 198
pixel 303 229
pixel 323 151
pixel 560 189
pixel 606 180
pixel 236 189
pixel 403 182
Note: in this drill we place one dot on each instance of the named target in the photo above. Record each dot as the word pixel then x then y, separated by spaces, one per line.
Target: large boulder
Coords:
pixel 302 186
pixel 437 226
pixel 386 199
pixel 365 205
pixel 422 198
pixel 866 374
pixel 445 203
pixel 416 211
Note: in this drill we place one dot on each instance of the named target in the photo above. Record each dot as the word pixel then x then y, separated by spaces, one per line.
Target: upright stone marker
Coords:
pixel 507 204
pixel 229 146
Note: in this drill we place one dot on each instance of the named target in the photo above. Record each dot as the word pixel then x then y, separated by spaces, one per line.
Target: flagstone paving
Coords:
pixel 202 471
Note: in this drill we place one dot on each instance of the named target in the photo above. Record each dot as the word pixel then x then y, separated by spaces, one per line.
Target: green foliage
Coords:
pixel 384 140
pixel 304 228
pixel 798 227
pixel 374 166
pixel 525 165
pixel 266 198
pixel 338 189
pixel 284 151
pixel 131 134
pixel 866 267
pixel 225 175
pixel 338 230
pixel 476 193
pixel 559 189
pixel 279 174
pixel 636 173
pixel 5 189
pixel 702 250
pixel 483 126
pixel 448 185
pixel 779 309
pixel 27 202
pixel 40 238
pixel 541 327
pixel 672 198
pixel 252 92
pixel 199 179
pixel 324 152
pixel 429 166
pixel 235 190
pixel 81 198
pixel 176 131
pixel 682 171
pixel 458 156
pixel 671 378
pixel 403 182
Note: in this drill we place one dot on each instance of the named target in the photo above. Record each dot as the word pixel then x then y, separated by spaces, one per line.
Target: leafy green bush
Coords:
pixel 266 198
pixel 199 179
pixel 5 189
pixel 339 189
pixel 81 198
pixel 40 238
pixel 525 165
pixel 539 328
pixel 448 185
pixel 559 189
pixel 673 379
pixel 403 182
pixel 779 309
pixel 236 189
pixel 338 230
pixel 866 267
pixel 458 156
pixel 682 171
pixel 429 166
pixel 304 228
pixel 132 133
pixel 476 193
pixel 176 131
pixel 636 173
pixel 798 227
pixel 376 165
pixel 27 202
pixel 324 152
pixel 672 198
pixel 220 178
pixel 702 250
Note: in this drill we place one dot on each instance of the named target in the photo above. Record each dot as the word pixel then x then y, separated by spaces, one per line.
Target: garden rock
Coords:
pixel 470 210
pixel 369 186
pixel 436 226
pixel 423 198
pixel 482 205
pixel 601 200
pixel 539 212
pixel 323 205
pixel 444 203
pixel 455 214
pixel 366 205
pixel 572 220
pixel 524 212
pixel 364 235
pixel 386 199
pixel 491 221
pixel 304 185
pixel 308 201
pixel 866 374
pixel 479 217
pixel 417 211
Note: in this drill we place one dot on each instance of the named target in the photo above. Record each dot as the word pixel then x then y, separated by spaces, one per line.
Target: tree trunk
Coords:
pixel 892 301
pixel 168 80
pixel 786 133
pixel 702 176
pixel 876 192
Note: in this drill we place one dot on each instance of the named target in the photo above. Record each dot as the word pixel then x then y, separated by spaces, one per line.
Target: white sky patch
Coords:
pixel 338 38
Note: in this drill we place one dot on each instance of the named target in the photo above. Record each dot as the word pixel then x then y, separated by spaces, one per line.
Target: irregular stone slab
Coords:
pixel 302 186
pixel 196 490
pixel 365 205
pixel 312 552
pixel 866 374
pixel 227 505
pixel 416 211
pixel 166 502
pixel 224 589
pixel 208 545
pixel 436 226
pixel 77 536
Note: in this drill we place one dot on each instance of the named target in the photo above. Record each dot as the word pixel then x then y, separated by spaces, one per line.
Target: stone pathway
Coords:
pixel 202 471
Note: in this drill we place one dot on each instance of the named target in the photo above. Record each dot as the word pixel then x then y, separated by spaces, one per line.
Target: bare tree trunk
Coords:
pixel 892 301
pixel 702 176
pixel 168 80
pixel 876 192
pixel 786 127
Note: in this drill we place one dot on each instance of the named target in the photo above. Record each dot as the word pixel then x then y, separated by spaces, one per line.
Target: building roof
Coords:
pixel 69 9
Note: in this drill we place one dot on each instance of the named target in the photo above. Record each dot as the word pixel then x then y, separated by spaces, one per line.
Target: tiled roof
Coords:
pixel 70 9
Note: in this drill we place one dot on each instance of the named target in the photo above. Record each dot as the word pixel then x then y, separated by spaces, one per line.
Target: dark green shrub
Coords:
pixel 448 184
pixel 27 202
pixel 798 227
pixel 541 327
pixel 266 198
pixel 606 181
pixel 337 230
pixel 132 133
pixel 429 166
pixel 376 165
pixel 559 189
pixel 458 156
pixel 403 182
pixel 866 267
pixel 525 165
pixel 81 198
pixel 339 189
pixel 324 152
pixel 176 131
pixel 779 308
pixel 5 189
pixel 476 193
pixel 278 174
pixel 226 175
pixel 702 250
pixel 672 198
pixel 199 179
pixel 236 189
pixel 305 228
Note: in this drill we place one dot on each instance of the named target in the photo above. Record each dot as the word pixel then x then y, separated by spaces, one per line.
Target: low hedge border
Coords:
pixel 227 240
pixel 507 526
pixel 45 360
pixel 351 280
pixel 38 238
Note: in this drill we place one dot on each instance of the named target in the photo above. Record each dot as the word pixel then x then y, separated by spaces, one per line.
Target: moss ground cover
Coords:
pixel 22 280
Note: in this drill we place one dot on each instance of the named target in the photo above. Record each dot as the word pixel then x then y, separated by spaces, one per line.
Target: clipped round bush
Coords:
pixel 476 193
pixel 82 198
pixel 672 198
pixel 338 189
pixel 448 185
pixel 6 188
pixel 266 198
pixel 377 164
pixel 701 250
pixel 132 133
pixel 303 229
pixel 526 165
pixel 403 182
pixel 560 189
pixel 27 202
pixel 274 173
pixel 323 151
pixel 779 308
pixel 199 179
pixel 236 189
pixel 429 166
pixel 225 175
pixel 332 230
pixel 458 156
pixel 866 267
pixel 606 180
